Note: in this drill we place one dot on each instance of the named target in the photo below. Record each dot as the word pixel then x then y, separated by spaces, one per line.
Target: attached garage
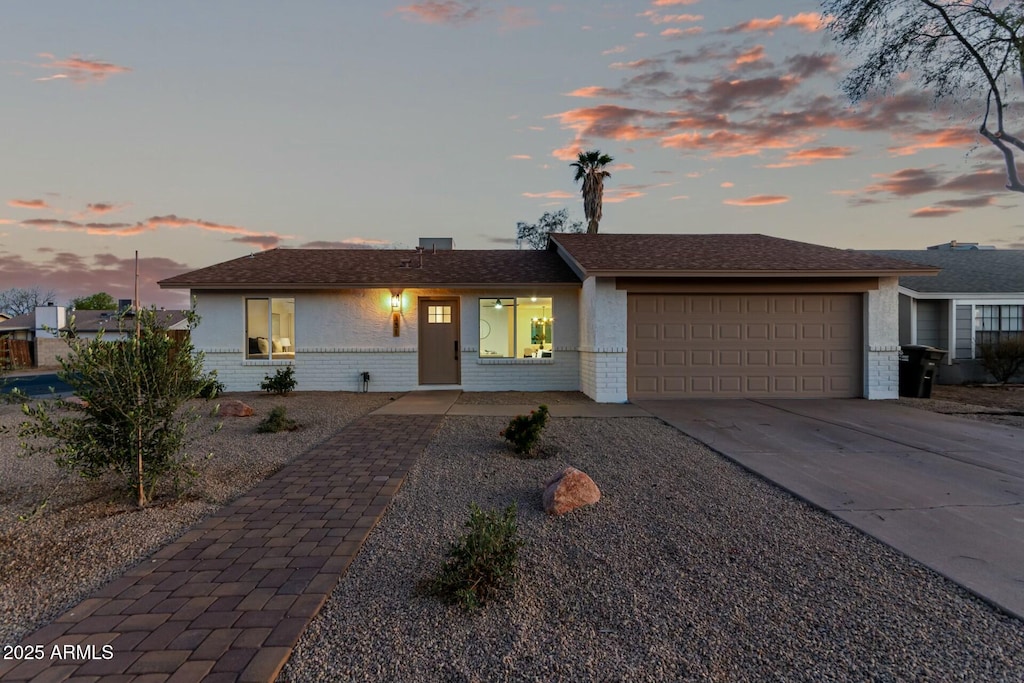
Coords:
pixel 745 345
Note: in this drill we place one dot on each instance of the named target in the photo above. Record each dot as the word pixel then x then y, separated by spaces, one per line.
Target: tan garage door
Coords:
pixel 758 345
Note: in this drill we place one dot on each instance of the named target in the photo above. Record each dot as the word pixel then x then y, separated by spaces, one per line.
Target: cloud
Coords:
pixel 349 243
pixel 681 32
pixel 934 212
pixel 656 17
pixel 73 275
pixel 151 224
pixel 262 241
pixel 449 12
pixel 805 157
pixel 673 3
pixel 554 194
pixel 758 200
pixel 101 208
pixel 933 139
pixel 35 204
pixel 79 70
pixel 808 22
pixel 513 18
pixel 520 157
pixel 618 49
pixel 727 184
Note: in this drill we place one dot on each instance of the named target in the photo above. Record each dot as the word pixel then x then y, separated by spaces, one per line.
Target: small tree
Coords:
pixel 130 419
pixel 19 301
pixel 101 301
pixel 536 235
pixel 1003 359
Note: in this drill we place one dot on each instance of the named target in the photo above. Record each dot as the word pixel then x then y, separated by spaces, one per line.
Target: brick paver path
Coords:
pixel 229 599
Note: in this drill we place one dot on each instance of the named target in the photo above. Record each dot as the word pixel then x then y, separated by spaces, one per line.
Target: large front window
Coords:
pixel 270 328
pixel 516 327
pixel 994 324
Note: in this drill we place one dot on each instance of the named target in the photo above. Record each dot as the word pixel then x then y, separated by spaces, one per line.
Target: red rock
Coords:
pixel 568 490
pixel 233 408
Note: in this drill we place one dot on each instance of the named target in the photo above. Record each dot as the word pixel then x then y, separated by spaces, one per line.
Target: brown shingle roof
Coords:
pixel 319 268
pixel 667 255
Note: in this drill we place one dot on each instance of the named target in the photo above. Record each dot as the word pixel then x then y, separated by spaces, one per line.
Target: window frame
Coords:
pixel 996 322
pixel 517 303
pixel 269 331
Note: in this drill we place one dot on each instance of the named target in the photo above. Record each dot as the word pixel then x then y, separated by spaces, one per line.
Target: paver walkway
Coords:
pixel 229 599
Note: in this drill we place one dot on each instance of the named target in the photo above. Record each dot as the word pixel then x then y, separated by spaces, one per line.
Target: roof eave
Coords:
pixel 363 285
pixel 761 273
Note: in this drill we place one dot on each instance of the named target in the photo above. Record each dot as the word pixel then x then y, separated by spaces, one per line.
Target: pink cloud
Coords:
pixel 520 157
pixel 681 32
pixel 805 157
pixel 74 275
pixel 554 194
pixel 673 3
pixel 34 204
pixel 808 22
pixel 758 200
pixel 934 212
pixel 80 70
pixel 934 139
pixel 449 12
pixel 350 243
pixel 656 17
pixel 150 224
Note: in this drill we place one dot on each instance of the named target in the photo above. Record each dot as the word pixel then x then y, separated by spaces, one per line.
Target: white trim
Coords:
pixel 355 349
pixel 515 361
pixel 962 296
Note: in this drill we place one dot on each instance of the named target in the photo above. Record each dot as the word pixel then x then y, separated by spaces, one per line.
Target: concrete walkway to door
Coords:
pixel 946 491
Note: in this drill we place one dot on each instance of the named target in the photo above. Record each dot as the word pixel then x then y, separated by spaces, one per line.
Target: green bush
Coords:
pixel 1003 359
pixel 282 383
pixel 524 431
pixel 131 419
pixel 482 562
pixel 210 387
pixel 277 421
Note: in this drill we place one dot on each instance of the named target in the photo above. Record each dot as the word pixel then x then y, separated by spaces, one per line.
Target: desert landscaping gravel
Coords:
pixel 89 532
pixel 688 569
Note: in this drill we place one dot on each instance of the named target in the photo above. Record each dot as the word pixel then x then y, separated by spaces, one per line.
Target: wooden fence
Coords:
pixel 15 353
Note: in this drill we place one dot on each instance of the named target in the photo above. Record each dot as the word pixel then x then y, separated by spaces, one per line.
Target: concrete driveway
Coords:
pixel 946 491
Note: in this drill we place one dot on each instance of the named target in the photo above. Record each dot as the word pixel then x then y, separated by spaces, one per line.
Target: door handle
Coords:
pixel 456 349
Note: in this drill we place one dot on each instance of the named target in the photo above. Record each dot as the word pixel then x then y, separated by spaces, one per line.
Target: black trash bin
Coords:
pixel 918 365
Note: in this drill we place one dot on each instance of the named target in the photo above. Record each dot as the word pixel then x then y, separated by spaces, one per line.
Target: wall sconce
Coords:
pixel 396 314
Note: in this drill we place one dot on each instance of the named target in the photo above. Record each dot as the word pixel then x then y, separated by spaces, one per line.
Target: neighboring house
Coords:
pixel 977 298
pixel 43 326
pixel 618 317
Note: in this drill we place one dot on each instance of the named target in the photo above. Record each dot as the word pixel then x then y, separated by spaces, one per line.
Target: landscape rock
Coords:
pixel 568 490
pixel 234 408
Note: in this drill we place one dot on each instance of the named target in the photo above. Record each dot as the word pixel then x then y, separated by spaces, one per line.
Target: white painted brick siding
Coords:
pixel 881 343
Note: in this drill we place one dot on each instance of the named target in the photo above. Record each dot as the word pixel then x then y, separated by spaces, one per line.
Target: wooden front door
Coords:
pixel 439 348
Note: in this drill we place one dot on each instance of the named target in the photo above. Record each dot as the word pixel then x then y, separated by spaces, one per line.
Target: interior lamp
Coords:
pixel 497 304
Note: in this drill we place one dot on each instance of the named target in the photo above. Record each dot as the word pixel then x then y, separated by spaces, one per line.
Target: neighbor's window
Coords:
pixel 997 323
pixel 516 327
pixel 270 328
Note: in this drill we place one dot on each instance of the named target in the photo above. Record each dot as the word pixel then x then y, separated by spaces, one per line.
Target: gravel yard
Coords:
pixel 89 533
pixel 687 569
pixel 1001 405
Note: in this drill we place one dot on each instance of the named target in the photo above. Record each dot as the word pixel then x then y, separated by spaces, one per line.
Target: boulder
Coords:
pixel 568 490
pixel 234 408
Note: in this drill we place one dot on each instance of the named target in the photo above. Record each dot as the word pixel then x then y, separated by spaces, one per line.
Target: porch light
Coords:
pixel 396 302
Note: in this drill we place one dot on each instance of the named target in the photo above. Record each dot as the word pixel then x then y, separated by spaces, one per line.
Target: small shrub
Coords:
pixel 210 387
pixel 482 562
pixel 524 431
pixel 276 422
pixel 1003 359
pixel 282 383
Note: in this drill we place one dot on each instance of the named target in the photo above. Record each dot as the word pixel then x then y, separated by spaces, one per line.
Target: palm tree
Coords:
pixel 590 167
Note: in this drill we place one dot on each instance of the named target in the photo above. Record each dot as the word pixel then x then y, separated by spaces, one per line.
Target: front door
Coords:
pixel 439 341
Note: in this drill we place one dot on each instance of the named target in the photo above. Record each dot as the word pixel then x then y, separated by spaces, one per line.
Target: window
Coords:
pixel 439 314
pixel 994 324
pixel 270 328
pixel 516 327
